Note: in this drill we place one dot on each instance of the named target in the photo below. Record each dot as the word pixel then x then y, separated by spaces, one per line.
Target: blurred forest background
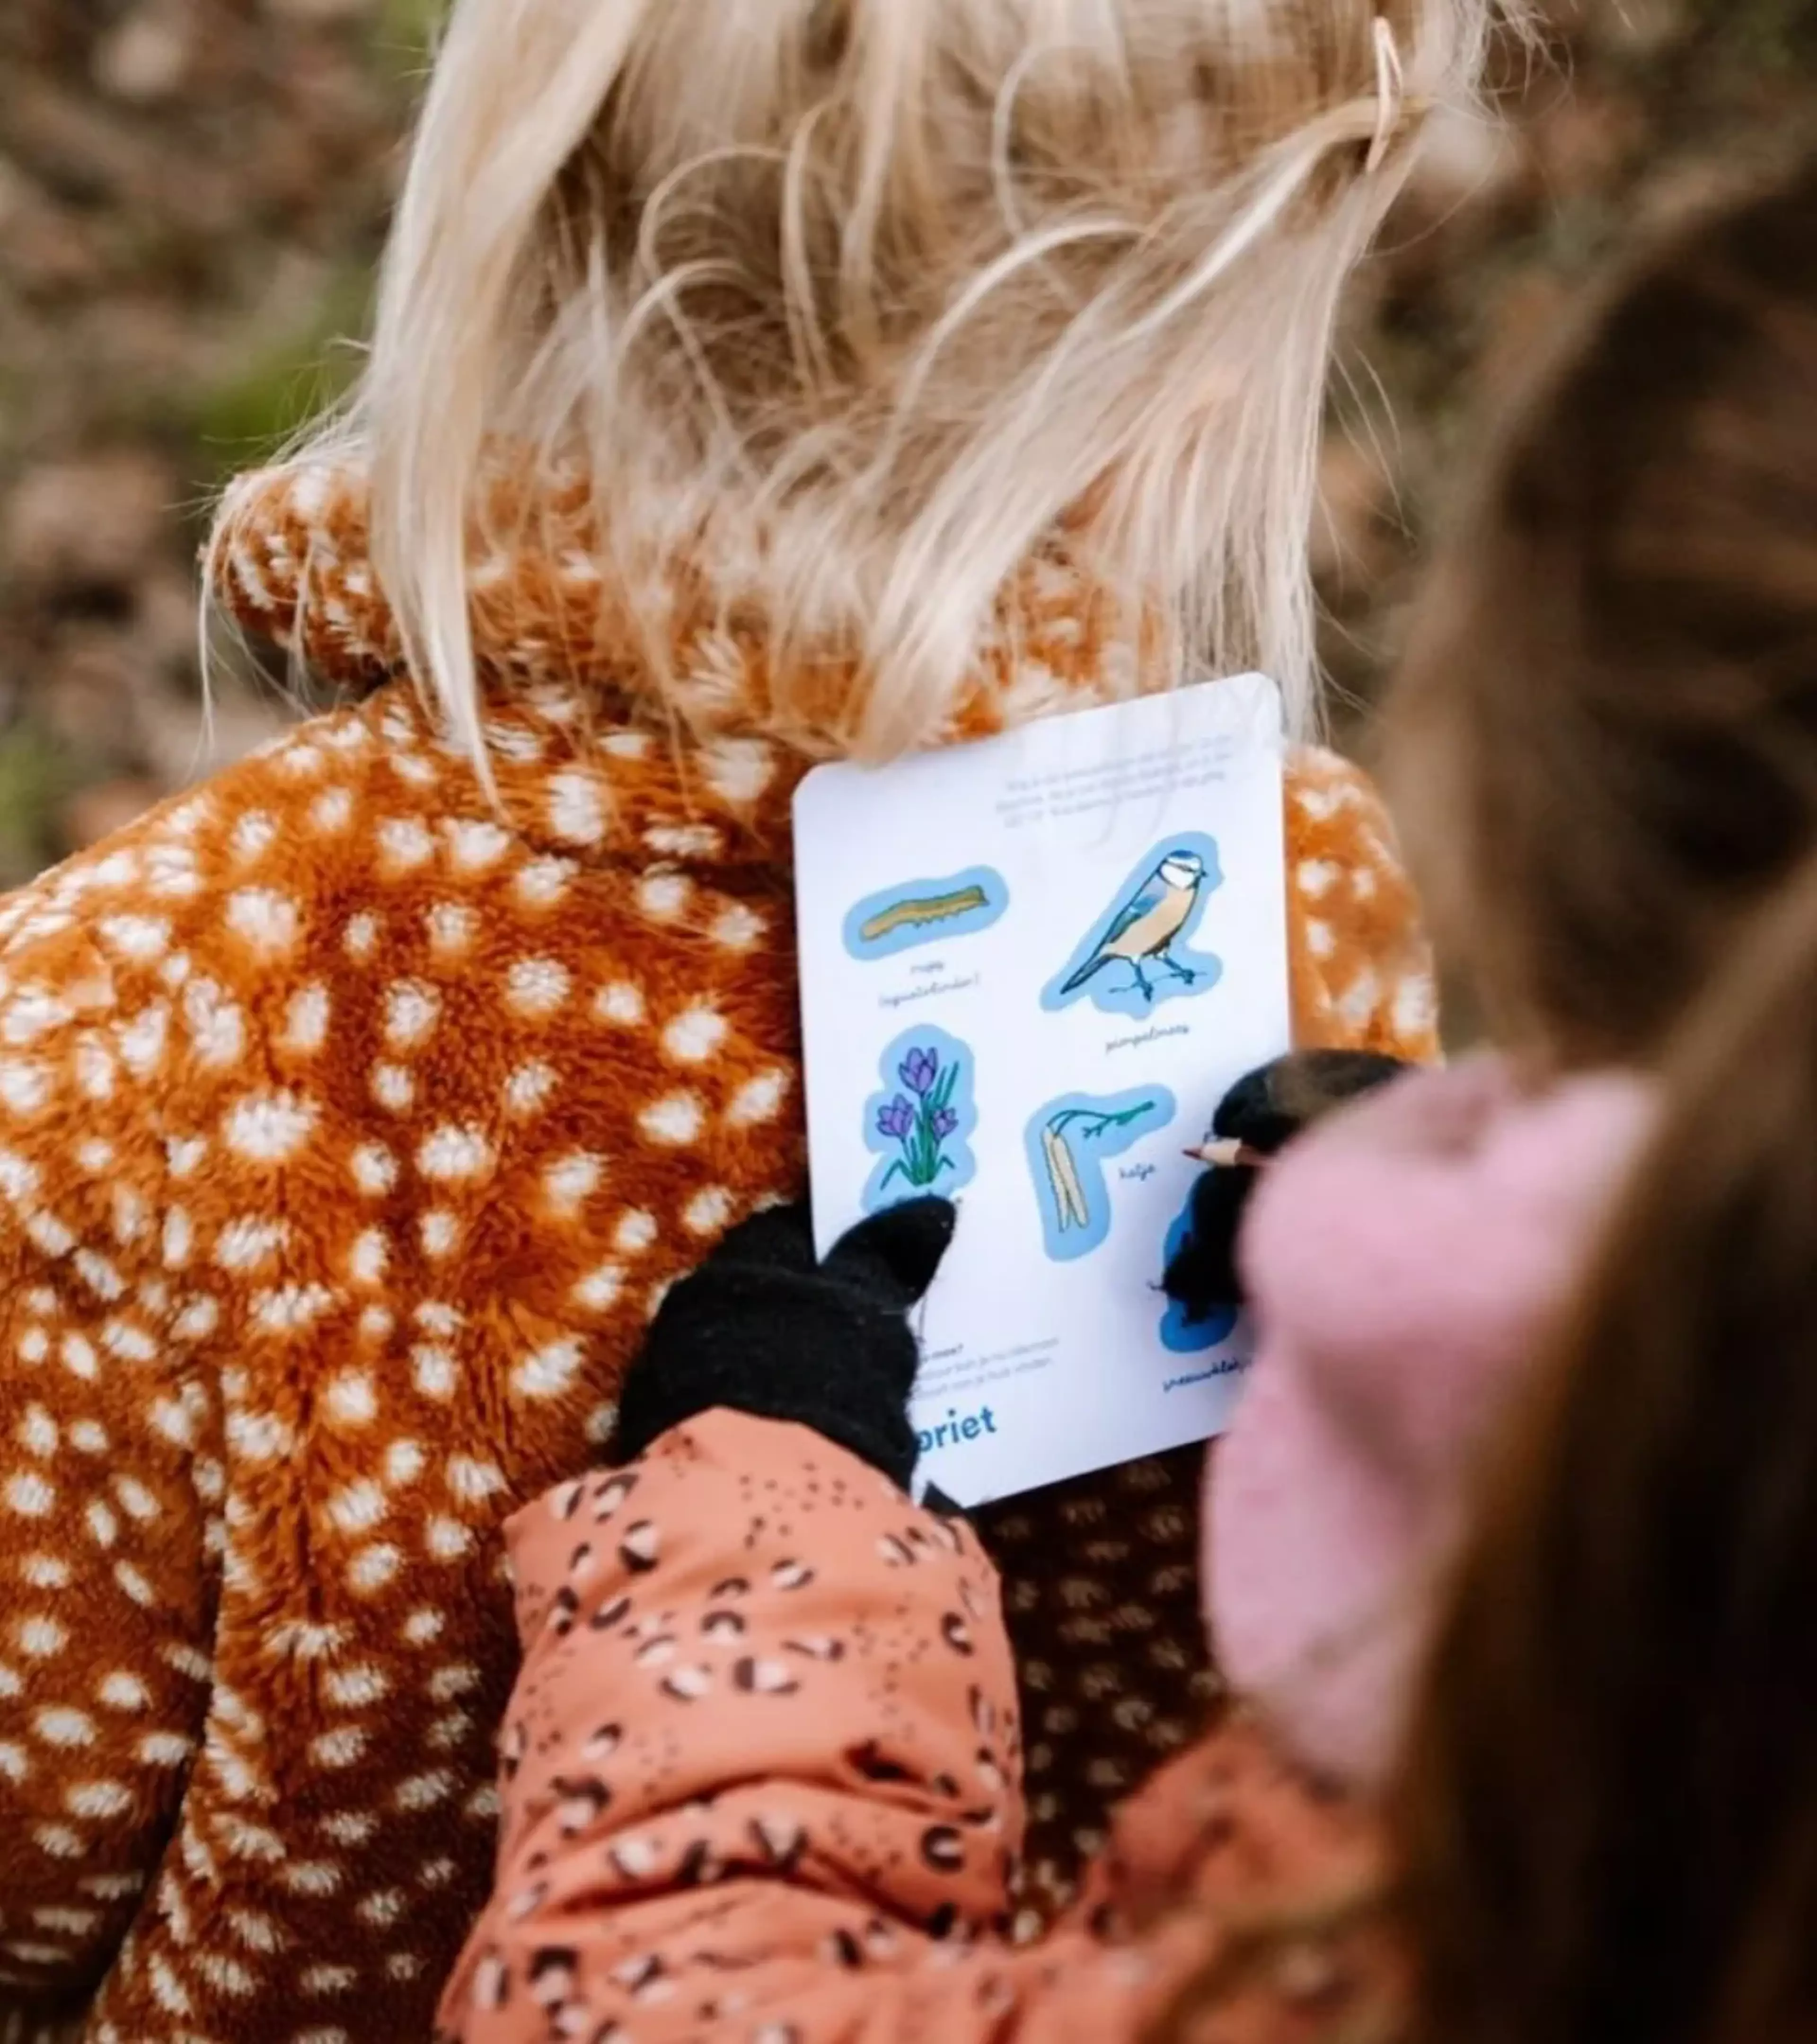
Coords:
pixel 193 194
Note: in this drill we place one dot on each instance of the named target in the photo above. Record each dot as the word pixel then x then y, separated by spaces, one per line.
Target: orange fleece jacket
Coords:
pixel 350 1121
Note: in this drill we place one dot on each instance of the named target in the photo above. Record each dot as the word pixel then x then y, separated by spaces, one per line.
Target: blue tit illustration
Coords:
pixel 1142 929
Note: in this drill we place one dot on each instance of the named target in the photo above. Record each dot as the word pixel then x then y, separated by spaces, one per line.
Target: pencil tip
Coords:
pixel 1218 1155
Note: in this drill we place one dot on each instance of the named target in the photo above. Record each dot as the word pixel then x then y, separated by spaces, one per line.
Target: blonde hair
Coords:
pixel 845 309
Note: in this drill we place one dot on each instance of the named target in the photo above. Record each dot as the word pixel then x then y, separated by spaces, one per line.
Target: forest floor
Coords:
pixel 193 194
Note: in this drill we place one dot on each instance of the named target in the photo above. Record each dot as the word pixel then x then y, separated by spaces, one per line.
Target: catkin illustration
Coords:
pixel 1070 1203
pixel 918 910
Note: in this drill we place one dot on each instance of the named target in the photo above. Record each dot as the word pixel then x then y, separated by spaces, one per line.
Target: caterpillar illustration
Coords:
pixel 916 910
pixel 924 908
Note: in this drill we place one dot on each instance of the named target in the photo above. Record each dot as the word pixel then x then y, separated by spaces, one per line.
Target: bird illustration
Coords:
pixel 1144 927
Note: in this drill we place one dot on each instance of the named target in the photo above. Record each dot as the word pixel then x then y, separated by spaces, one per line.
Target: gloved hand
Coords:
pixel 1256 1120
pixel 764 1328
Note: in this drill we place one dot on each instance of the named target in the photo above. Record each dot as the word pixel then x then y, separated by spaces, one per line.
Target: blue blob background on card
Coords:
pixel 909 936
pixel 1067 1241
pixel 1177 1334
pixel 925 1075
pixel 1114 989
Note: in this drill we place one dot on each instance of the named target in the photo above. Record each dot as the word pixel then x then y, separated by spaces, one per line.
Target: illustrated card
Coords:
pixel 1030 968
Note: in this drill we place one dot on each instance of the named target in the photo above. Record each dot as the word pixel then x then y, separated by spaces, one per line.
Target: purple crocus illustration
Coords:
pixel 896 1119
pixel 921 1125
pixel 919 1069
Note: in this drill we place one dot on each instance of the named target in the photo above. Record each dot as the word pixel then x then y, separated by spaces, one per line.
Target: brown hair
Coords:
pixel 1608 1825
pixel 1602 744
pixel 1603 750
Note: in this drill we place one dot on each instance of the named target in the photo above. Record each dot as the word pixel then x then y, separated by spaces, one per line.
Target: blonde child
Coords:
pixel 753 381
pixel 1515 1542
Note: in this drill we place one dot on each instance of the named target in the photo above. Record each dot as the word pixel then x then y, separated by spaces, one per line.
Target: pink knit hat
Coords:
pixel 1402 1262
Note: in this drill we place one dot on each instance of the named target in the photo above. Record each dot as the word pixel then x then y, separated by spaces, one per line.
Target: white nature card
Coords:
pixel 1030 970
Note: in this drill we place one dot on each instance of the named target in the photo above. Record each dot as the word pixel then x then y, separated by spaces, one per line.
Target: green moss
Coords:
pixel 1760 35
pixel 37 776
pixel 245 418
pixel 404 31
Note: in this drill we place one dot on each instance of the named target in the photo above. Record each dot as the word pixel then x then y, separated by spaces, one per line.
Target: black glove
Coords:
pixel 764 1329
pixel 1262 1113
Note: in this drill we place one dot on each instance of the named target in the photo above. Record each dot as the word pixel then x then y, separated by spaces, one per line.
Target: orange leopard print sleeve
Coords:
pixel 761 1781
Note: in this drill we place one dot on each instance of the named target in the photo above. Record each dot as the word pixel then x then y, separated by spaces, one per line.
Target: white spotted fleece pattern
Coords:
pixel 352 1123
pixel 347 1137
